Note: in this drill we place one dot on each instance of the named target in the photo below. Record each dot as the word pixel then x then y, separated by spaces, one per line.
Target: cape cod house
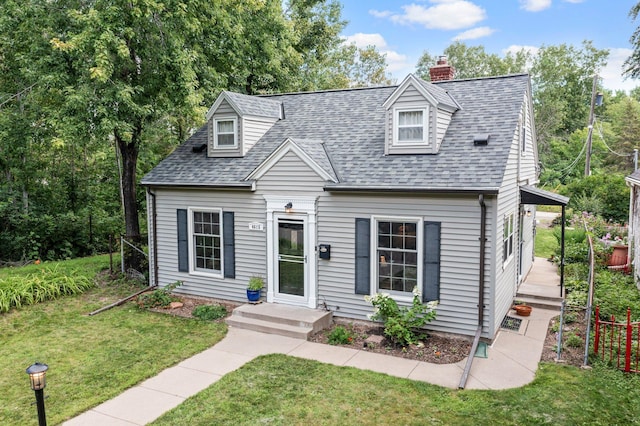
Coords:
pixel 333 195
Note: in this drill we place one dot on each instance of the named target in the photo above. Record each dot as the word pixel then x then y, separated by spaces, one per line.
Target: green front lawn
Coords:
pixel 281 390
pixel 546 242
pixel 91 359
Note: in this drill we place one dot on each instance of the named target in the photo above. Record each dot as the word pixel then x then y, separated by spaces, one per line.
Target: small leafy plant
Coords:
pixel 574 341
pixel 340 336
pixel 255 283
pixel 402 324
pixel 159 298
pixel 209 312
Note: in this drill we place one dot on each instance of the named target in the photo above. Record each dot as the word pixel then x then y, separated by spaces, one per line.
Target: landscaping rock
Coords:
pixel 175 305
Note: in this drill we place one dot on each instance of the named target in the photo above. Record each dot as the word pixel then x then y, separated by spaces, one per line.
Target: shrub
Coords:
pixel 209 312
pixel 159 298
pixel 401 324
pixel 574 341
pixel 340 336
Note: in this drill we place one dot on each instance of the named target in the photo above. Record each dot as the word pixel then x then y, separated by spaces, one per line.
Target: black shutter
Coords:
pixel 363 254
pixel 183 241
pixel 431 262
pixel 229 245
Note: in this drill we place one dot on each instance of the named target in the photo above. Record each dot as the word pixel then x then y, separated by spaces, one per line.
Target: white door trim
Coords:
pixel 301 206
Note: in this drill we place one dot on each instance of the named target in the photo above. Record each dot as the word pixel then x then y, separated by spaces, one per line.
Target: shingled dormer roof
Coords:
pixel 246 105
pixel 349 125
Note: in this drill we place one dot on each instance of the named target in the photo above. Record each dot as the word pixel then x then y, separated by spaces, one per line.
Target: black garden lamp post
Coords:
pixel 37 374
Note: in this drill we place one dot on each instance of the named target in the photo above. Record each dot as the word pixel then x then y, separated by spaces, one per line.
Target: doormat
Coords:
pixel 481 350
pixel 511 323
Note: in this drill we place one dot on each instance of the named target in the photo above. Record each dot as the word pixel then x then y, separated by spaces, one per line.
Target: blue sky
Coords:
pixel 403 30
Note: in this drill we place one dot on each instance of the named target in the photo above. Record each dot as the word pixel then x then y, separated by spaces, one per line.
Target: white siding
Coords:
pixel 410 98
pixel 528 157
pixel 252 130
pixel 460 232
pixel 250 245
pixel 224 110
pixel 290 176
pixel 443 119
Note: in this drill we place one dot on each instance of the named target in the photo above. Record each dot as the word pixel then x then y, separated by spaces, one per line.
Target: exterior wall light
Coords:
pixel 288 208
pixel 37 374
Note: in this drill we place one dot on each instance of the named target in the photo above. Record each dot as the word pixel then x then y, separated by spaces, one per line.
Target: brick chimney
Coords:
pixel 442 70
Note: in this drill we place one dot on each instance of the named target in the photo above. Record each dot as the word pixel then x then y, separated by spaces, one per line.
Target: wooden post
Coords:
pixel 629 342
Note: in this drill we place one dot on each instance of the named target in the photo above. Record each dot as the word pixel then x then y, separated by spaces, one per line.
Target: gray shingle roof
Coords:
pixel 351 125
pixel 254 105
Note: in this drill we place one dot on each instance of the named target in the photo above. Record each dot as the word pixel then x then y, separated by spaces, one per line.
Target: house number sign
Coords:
pixel 256 226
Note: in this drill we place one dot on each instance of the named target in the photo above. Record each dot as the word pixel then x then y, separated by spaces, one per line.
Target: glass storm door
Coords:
pixel 291 258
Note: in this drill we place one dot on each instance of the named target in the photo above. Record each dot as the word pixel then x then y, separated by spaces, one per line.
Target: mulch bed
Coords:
pixel 435 348
pixel 190 302
pixel 571 355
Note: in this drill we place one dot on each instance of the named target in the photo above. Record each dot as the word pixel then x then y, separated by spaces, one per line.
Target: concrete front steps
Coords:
pixel 284 320
pixel 539 301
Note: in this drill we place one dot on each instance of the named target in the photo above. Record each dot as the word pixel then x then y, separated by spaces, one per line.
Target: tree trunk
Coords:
pixel 129 155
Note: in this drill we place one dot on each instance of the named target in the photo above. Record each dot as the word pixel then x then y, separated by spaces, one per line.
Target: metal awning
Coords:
pixel 532 195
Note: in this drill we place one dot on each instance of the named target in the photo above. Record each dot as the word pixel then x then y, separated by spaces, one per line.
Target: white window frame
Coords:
pixel 508 235
pixel 216 145
pixel 397 126
pixel 193 269
pixel 397 295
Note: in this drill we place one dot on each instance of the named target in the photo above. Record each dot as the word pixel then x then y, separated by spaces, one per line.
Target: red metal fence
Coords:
pixel 618 343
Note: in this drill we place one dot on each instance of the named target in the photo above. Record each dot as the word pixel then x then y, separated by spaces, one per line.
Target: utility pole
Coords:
pixel 587 164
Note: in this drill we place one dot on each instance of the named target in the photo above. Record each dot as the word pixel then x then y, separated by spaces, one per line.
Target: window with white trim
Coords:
pixel 507 242
pixel 206 239
pixel 411 126
pixel 225 133
pixel 397 252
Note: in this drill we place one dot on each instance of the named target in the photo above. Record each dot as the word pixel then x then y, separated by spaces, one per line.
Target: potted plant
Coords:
pixel 254 288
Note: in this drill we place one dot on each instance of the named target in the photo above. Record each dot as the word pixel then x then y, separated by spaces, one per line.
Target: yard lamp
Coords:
pixel 37 373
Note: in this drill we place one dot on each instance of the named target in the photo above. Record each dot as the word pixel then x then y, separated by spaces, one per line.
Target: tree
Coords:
pixel 633 62
pixel 474 61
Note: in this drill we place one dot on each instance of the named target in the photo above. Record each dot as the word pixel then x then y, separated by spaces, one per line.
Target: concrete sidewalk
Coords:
pixel 511 362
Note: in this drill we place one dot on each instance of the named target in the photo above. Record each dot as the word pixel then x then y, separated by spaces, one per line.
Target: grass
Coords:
pixel 91 359
pixel 546 243
pixel 281 390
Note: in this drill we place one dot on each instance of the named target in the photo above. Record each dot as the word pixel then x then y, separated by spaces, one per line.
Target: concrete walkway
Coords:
pixel 512 361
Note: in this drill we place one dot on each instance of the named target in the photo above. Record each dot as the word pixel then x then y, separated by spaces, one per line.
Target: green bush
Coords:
pixel 159 298
pixel 209 312
pixel 607 195
pixel 340 336
pixel 402 324
pixel 574 341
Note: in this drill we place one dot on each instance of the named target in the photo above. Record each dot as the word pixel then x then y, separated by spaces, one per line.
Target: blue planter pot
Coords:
pixel 253 295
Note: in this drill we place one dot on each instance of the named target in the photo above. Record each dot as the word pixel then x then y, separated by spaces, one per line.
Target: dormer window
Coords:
pixel 225 133
pixel 411 126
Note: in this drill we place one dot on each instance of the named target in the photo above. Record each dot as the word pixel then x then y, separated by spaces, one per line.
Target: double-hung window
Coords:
pixel 507 242
pixel 397 254
pixel 411 126
pixel 225 133
pixel 206 239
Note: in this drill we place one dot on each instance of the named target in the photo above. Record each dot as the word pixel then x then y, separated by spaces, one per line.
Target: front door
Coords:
pixel 291 259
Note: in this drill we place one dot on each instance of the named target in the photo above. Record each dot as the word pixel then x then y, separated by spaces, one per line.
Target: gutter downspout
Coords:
pixel 483 241
pixel 154 215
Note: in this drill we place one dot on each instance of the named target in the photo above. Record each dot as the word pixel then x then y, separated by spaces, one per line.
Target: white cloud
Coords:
pixel 380 13
pixel 515 48
pixel 443 15
pixel 475 33
pixel 535 5
pixel 395 61
pixel 363 40
pixel 611 74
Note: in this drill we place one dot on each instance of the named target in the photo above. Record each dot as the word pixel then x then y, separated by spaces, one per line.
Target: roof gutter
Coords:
pixel 414 189
pixel 251 186
pixel 481 284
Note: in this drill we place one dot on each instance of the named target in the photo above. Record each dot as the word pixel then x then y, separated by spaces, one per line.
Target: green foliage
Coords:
pixel 255 283
pixel 546 243
pixel 611 191
pixel 159 298
pixel 47 284
pixel 209 312
pixel 402 324
pixel 574 341
pixel 340 336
